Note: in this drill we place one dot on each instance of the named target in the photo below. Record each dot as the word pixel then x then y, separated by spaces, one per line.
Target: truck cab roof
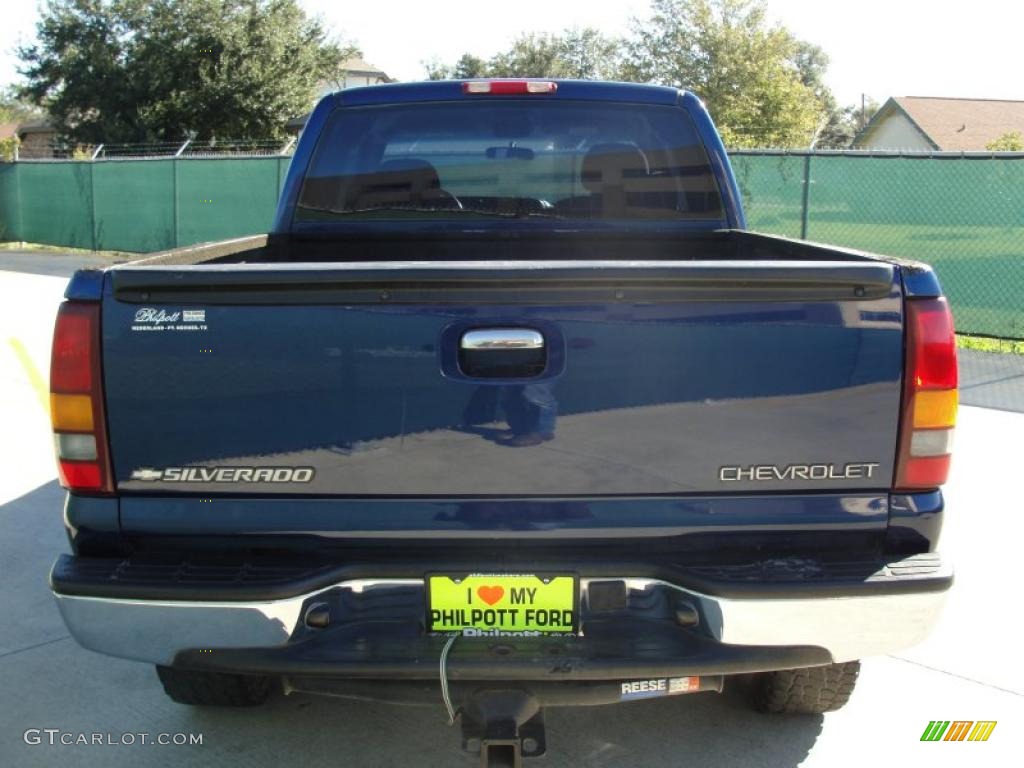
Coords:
pixel 448 90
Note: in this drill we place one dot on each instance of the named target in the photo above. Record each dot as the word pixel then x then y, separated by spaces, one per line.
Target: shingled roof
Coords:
pixel 360 66
pixel 953 124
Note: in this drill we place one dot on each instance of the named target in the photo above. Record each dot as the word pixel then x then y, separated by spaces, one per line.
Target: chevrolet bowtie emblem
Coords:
pixel 147 474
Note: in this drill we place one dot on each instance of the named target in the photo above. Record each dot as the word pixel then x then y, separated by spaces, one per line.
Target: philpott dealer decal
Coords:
pixel 224 475
pixel 182 320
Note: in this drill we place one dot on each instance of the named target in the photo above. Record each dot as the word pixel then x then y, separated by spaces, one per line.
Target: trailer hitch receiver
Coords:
pixel 504 726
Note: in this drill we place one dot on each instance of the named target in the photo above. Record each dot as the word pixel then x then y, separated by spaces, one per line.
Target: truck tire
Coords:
pixel 213 689
pixel 811 690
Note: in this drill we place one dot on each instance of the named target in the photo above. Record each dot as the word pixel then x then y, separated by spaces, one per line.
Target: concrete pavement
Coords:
pixel 54 264
pixel 969 669
pixel 992 380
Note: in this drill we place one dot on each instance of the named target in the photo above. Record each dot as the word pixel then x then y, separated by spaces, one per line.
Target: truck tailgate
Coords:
pixel 351 380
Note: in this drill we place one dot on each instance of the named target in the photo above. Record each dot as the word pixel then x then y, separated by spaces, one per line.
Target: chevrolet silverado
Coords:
pixel 507 411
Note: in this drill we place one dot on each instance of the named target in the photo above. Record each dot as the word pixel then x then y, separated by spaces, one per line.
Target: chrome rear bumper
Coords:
pixel 157 631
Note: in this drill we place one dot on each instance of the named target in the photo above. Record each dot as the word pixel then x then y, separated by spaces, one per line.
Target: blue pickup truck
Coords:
pixel 508 411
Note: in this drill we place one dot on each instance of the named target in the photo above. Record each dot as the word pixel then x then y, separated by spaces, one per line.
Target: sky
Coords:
pixel 880 48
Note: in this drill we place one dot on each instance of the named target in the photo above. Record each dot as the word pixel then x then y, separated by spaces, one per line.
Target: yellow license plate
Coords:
pixel 503 602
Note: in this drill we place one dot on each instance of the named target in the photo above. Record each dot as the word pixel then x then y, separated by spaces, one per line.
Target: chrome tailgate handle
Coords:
pixel 502 353
pixel 503 339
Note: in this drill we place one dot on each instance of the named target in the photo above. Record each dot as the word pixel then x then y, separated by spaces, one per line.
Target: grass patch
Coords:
pixel 988 344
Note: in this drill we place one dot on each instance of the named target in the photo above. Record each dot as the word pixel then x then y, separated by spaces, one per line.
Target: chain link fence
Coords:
pixel 962 213
pixel 51 150
pixel 139 204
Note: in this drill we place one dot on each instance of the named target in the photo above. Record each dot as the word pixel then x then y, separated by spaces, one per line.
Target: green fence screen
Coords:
pixel 962 214
pixel 138 205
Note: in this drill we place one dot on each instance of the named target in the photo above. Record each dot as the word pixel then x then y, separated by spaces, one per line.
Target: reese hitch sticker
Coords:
pixel 662 686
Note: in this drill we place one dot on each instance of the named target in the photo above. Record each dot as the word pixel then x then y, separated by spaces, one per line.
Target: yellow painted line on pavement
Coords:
pixel 34 377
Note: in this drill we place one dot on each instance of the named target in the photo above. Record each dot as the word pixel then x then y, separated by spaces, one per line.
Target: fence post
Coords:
pixel 92 204
pixel 806 196
pixel 20 203
pixel 174 196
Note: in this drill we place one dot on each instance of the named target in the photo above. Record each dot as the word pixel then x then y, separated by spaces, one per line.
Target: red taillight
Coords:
pixel 70 366
pixel 80 475
pixel 76 400
pixel 508 87
pixel 929 396
pixel 931 344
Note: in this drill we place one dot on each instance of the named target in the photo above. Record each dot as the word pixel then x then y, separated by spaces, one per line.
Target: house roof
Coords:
pixel 353 66
pixel 297 123
pixel 7 130
pixel 952 124
pixel 35 126
pixel 360 66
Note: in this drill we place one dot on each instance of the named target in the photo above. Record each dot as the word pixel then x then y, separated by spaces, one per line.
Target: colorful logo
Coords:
pixel 958 730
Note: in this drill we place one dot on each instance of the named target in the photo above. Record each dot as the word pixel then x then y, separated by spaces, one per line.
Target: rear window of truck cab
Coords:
pixel 512 158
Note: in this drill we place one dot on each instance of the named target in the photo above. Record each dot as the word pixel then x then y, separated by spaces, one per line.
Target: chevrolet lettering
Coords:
pixel 770 472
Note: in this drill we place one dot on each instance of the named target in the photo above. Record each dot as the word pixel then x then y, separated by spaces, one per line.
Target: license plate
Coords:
pixel 503 602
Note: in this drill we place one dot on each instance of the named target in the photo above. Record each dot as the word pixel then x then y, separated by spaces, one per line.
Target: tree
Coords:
pixel 586 54
pixel 468 66
pixel 844 123
pixel 163 70
pixel 811 64
pixel 14 110
pixel 7 148
pixel 583 54
pixel 436 69
pixel 832 131
pixel 747 72
pixel 532 55
pixel 1012 141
